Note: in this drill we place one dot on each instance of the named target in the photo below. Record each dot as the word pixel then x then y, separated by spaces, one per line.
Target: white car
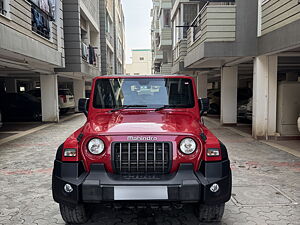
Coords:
pixel 66 100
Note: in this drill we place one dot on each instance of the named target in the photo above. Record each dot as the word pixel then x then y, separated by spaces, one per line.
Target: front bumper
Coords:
pixel 183 186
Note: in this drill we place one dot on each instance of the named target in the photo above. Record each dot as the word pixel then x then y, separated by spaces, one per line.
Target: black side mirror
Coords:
pixel 204 105
pixel 83 104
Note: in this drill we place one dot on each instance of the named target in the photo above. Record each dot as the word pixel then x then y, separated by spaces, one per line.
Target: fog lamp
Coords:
pixel 214 188
pixel 68 188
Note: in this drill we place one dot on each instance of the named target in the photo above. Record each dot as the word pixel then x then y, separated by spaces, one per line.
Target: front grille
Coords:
pixel 141 157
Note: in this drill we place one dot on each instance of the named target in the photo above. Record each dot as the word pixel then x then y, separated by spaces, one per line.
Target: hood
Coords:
pixel 143 122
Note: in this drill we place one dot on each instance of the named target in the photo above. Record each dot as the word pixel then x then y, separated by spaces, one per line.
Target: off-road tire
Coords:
pixel 73 214
pixel 210 213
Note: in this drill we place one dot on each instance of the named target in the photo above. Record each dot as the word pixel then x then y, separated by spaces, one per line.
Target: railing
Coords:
pixel 197 22
pixel 180 50
pixel 2 9
pixel 110 39
pixel 89 54
pixel 207 27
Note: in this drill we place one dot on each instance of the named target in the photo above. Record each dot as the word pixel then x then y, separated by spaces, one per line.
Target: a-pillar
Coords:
pixel 202 85
pixel 79 91
pixel 49 98
pixel 264 96
pixel 229 82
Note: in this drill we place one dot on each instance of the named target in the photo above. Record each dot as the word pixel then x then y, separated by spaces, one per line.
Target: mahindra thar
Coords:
pixel 144 142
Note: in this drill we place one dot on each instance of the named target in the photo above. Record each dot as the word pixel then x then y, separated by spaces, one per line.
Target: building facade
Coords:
pixel 161 36
pixel 49 45
pixel 141 62
pixel 112 37
pixel 230 45
pixel 31 48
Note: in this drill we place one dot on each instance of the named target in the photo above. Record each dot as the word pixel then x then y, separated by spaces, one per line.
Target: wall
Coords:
pixel 278 13
pixel 217 24
pixel 140 66
pixel 17 35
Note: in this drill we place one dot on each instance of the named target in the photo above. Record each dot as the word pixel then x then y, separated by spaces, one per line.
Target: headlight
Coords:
pixel 96 146
pixel 188 146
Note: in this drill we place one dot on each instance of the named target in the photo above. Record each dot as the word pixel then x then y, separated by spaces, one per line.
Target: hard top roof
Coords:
pixel 144 76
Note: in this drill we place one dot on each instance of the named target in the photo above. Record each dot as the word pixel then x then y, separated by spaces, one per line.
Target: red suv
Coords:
pixel 143 143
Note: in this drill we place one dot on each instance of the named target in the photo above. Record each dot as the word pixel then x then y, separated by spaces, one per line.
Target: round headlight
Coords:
pixel 188 146
pixel 96 146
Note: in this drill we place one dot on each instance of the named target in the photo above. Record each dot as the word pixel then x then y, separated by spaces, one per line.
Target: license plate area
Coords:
pixel 140 193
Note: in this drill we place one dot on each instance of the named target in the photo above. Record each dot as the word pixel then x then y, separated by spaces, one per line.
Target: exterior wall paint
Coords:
pixel 139 66
pixel 17 35
pixel 278 13
pixel 218 24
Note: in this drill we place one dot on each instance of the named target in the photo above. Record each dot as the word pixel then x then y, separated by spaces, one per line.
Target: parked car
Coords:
pixel 65 98
pixel 214 96
pixel 298 123
pixel 20 106
pixel 143 143
pixel 1 124
pixel 245 111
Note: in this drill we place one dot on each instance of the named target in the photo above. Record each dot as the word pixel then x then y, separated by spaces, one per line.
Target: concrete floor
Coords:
pixel 265 183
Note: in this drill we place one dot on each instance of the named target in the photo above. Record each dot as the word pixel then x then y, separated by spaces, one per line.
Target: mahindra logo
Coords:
pixel 140 138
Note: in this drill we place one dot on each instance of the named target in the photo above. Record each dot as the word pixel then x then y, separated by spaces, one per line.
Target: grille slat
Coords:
pixel 142 157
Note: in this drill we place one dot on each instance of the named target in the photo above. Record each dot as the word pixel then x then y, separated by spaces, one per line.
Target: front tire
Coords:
pixel 73 214
pixel 210 213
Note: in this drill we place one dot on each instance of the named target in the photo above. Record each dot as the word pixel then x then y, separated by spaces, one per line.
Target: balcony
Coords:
pixel 179 52
pixel 40 21
pixel 165 38
pixel 213 23
pixel 212 31
pixel 158 56
pixel 166 68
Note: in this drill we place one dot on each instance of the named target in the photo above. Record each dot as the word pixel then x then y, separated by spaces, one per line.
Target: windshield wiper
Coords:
pixel 127 107
pixel 165 107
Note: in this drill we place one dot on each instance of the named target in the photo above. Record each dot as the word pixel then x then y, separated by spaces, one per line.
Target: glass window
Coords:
pixel 152 92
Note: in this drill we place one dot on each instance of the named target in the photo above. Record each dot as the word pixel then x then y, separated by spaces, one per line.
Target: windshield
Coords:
pixel 149 92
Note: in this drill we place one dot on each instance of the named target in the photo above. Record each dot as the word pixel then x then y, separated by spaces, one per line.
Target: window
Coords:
pixel 144 92
pixel 142 58
pixel 167 17
pixel 41 15
pixel 4 7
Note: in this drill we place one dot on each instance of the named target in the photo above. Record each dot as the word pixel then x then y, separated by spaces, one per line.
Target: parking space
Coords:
pixel 265 183
pixel 27 100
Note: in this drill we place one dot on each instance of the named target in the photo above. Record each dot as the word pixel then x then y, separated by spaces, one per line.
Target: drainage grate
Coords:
pixel 260 195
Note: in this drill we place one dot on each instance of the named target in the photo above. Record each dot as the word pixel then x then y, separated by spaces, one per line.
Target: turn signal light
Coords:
pixel 213 152
pixel 70 152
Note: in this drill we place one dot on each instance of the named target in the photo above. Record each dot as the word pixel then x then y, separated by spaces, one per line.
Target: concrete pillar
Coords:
pixel 79 91
pixel 10 85
pixel 264 96
pixel 202 85
pixel 49 97
pixel 229 82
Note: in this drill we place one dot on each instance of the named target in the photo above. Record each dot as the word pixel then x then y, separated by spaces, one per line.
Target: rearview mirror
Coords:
pixel 204 105
pixel 83 104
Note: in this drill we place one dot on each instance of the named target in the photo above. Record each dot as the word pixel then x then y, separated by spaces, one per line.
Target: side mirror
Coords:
pixel 83 104
pixel 204 105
